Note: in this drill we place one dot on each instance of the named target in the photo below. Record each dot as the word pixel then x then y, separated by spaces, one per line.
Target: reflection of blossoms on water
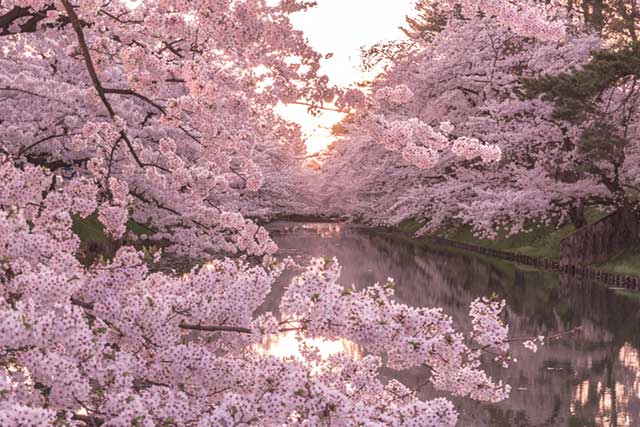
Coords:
pixel 590 378
pixel 324 230
pixel 614 403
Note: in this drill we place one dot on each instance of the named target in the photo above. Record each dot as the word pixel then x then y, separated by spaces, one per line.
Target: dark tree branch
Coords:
pixel 316 107
pixel 83 304
pixel 18 12
pixel 238 329
pixel 26 92
pixel 190 134
pixel 77 27
pixel 89 420
pixel 119 17
pixel 40 141
pixel 171 48
pixel 135 94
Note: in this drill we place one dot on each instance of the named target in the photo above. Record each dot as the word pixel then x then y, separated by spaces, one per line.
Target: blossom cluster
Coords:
pixel 115 345
pixel 422 145
pixel 487 156
pixel 160 116
pixel 161 97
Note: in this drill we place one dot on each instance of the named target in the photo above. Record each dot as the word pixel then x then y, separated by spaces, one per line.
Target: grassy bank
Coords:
pixel 627 263
pixel 95 244
pixel 540 242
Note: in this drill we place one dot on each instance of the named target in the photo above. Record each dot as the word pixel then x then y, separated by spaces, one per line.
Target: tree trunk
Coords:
pixel 597 18
pixel 576 214
pixel 593 11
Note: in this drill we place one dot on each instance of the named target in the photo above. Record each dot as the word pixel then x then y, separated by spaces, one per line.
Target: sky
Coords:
pixel 341 27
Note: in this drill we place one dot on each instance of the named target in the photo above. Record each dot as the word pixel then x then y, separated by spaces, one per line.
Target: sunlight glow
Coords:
pixel 342 28
pixel 287 344
pixel 316 129
pixel 614 402
pixel 292 344
pixel 352 24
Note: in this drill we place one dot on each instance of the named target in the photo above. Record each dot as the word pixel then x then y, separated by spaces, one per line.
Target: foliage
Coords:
pixel 627 263
pixel 428 22
pixel 168 108
pixel 542 241
pixel 602 99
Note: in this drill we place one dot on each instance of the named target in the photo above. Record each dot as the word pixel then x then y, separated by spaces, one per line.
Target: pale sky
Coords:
pixel 341 27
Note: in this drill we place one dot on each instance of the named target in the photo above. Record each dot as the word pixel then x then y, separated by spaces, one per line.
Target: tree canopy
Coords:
pixel 157 121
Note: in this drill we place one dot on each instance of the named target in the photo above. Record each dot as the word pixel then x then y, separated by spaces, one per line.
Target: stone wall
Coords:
pixel 601 240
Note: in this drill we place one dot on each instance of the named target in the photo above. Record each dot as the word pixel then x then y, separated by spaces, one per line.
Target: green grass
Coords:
pixel 627 263
pixel 89 229
pixel 545 242
pixel 409 226
pixel 138 229
pixel 542 241
pixel 94 242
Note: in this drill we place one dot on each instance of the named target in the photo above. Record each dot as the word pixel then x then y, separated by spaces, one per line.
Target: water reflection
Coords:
pixel 613 395
pixel 325 230
pixel 289 344
pixel 588 379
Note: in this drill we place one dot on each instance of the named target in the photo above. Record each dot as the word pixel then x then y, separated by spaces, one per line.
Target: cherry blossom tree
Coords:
pixel 501 159
pixel 166 106
pixel 159 115
pixel 114 345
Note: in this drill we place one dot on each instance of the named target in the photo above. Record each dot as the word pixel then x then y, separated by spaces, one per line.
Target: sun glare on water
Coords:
pixel 288 344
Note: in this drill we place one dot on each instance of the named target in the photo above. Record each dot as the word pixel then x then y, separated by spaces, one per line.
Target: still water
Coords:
pixel 590 378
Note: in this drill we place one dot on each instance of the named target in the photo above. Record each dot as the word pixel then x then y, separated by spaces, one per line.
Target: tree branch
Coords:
pixel 35 16
pixel 136 94
pixel 40 141
pixel 77 27
pixel 314 107
pixel 75 23
pixel 88 420
pixel 238 329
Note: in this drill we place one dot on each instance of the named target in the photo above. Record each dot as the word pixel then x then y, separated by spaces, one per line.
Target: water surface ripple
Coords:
pixel 589 379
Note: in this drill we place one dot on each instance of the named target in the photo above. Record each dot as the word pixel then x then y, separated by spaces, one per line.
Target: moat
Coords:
pixel 588 377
